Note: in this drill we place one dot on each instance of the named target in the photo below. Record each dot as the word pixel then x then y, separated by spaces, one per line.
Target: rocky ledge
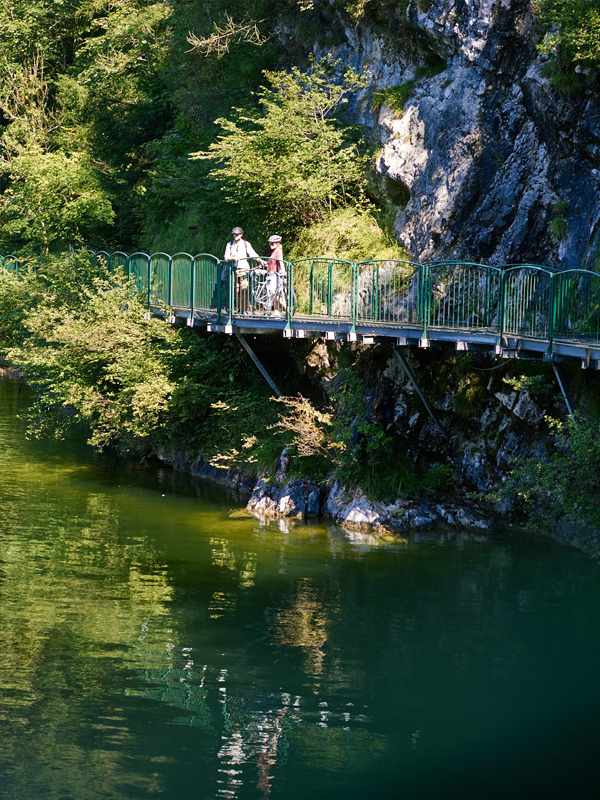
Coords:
pixel 302 498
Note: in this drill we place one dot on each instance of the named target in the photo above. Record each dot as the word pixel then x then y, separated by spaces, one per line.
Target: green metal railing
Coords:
pixel 10 264
pixel 521 300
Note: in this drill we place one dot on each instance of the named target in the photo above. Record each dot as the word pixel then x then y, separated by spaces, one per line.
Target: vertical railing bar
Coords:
pixel 149 280
pixel 551 313
pixel 218 267
pixel 290 297
pixel 192 288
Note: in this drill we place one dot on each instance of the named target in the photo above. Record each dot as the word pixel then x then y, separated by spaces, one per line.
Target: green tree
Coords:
pixel 53 195
pixel 567 483
pixel 574 29
pixel 95 359
pixel 292 162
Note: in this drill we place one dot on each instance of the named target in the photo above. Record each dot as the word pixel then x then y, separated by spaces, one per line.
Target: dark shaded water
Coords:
pixel 151 645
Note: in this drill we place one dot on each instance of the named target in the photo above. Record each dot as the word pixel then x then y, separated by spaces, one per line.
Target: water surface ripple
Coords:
pixel 153 646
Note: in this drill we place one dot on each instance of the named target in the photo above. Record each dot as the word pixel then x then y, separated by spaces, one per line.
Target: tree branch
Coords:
pixel 226 34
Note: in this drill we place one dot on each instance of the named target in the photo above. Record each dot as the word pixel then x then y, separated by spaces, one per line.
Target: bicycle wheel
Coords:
pixel 261 296
pixel 282 297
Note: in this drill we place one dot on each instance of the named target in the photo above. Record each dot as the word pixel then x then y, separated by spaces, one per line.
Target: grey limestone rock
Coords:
pixel 487 148
pixel 299 498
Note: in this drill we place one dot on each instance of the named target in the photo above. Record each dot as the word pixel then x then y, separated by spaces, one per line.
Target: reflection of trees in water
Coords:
pixel 242 565
pixel 76 594
pixel 303 623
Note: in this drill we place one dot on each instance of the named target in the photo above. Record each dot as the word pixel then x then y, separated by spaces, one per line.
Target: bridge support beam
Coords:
pixel 259 366
pixel 411 377
pixel 564 393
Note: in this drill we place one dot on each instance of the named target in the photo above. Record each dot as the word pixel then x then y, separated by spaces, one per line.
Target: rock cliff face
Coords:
pixel 486 151
pixel 489 419
pixel 486 162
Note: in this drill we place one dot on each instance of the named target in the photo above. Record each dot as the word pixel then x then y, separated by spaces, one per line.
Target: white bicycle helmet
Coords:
pixel 274 239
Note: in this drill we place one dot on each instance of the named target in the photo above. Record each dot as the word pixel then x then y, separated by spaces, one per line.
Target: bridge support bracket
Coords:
pixel 563 391
pixel 412 378
pixel 259 366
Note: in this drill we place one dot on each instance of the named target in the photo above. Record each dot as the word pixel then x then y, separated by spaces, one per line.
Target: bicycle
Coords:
pixel 262 296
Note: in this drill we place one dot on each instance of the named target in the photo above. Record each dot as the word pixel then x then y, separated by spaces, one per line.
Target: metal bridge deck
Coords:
pixel 419 336
pixel 520 310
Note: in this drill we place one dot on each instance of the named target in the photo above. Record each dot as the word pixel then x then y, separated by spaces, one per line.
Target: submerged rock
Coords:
pixel 353 510
pixel 299 498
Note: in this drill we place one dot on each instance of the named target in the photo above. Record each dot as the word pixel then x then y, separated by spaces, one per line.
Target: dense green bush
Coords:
pixel 290 164
pixel 573 29
pixel 567 483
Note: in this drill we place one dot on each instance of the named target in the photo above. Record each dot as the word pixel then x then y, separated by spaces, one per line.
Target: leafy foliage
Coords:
pixel 100 363
pixel 572 44
pixel 219 408
pixel 568 483
pixel 574 30
pixel 292 164
pixel 535 385
pixel 352 234
pixel 395 97
pixel 14 302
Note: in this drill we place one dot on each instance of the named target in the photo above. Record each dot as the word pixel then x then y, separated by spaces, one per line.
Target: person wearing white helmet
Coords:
pixel 275 268
pixel 239 250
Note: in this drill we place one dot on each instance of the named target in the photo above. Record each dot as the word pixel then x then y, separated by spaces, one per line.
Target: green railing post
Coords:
pixel 353 295
pixel 128 267
pixel 170 283
pixel 424 302
pixel 501 308
pixel 375 291
pixel 231 291
pixel 329 288
pixel 289 299
pixel 551 315
pixel 149 281
pixel 219 285
pixel 192 288
pixel 312 287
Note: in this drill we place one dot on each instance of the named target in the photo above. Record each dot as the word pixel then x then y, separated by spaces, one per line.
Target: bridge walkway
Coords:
pixel 514 310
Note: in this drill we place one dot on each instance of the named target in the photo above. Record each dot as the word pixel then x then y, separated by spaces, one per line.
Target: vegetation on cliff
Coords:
pixel 102 104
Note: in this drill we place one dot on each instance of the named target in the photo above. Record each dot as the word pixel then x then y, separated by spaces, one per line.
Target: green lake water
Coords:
pixel 152 645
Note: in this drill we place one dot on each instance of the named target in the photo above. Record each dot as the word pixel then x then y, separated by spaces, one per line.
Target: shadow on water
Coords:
pixel 152 644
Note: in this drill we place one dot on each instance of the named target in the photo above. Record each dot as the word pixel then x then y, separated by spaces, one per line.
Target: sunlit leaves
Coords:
pixel 574 29
pixel 100 362
pixel 293 160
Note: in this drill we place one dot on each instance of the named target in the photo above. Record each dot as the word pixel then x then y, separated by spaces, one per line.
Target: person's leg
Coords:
pixel 271 289
pixel 242 292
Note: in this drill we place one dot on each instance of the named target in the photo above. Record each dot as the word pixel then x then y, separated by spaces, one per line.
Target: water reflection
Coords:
pixel 303 623
pixel 154 643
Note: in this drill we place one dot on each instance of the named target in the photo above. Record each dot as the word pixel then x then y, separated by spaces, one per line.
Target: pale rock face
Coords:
pixel 487 148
